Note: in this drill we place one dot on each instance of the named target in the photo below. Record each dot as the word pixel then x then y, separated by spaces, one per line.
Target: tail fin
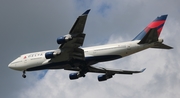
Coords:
pixel 151 33
pixel 155 25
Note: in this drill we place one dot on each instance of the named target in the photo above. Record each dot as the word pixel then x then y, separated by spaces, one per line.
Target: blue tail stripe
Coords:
pixel 160 26
pixel 140 35
pixel 163 17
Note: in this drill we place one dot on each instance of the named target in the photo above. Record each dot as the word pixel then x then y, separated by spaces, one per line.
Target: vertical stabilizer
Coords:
pixel 157 24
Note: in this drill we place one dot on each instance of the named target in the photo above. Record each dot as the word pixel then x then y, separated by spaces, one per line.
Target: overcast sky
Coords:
pixel 33 25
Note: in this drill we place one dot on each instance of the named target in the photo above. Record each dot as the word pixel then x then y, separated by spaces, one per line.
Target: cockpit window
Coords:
pixel 16 62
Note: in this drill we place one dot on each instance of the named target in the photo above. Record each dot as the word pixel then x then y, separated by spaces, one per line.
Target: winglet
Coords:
pixel 143 70
pixel 86 12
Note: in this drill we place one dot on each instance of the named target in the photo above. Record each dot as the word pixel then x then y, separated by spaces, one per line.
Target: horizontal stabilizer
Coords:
pixel 162 46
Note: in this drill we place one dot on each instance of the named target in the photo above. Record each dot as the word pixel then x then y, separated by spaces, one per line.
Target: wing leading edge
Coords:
pixel 112 71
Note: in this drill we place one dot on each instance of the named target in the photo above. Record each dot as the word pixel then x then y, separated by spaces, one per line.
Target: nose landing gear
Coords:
pixel 24 74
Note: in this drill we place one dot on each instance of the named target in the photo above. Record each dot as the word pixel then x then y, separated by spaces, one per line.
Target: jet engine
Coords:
pixel 104 77
pixel 73 76
pixel 49 55
pixel 64 39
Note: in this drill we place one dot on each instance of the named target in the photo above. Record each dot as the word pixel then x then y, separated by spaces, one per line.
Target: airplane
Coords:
pixel 71 56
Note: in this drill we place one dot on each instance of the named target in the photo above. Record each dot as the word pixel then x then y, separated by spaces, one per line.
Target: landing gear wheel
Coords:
pixel 83 75
pixel 24 74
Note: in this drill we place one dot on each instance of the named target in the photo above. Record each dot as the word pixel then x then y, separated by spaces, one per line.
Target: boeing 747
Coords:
pixel 71 56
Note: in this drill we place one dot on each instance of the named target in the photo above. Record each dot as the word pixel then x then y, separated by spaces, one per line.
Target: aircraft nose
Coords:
pixel 12 66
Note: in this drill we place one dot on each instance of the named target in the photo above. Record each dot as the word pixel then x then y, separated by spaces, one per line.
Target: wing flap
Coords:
pixel 77 54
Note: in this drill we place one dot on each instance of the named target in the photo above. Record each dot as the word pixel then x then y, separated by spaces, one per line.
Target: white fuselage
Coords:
pixel 36 59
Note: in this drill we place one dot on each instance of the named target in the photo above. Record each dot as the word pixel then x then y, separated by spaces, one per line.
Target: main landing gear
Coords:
pixel 24 74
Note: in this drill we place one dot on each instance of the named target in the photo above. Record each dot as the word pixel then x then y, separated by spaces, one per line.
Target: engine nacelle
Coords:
pixel 64 39
pixel 73 76
pixel 61 40
pixel 49 55
pixel 104 77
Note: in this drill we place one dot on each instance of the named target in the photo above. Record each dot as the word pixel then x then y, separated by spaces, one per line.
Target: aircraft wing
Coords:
pixel 106 70
pixel 70 49
pixel 112 71
pixel 79 25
